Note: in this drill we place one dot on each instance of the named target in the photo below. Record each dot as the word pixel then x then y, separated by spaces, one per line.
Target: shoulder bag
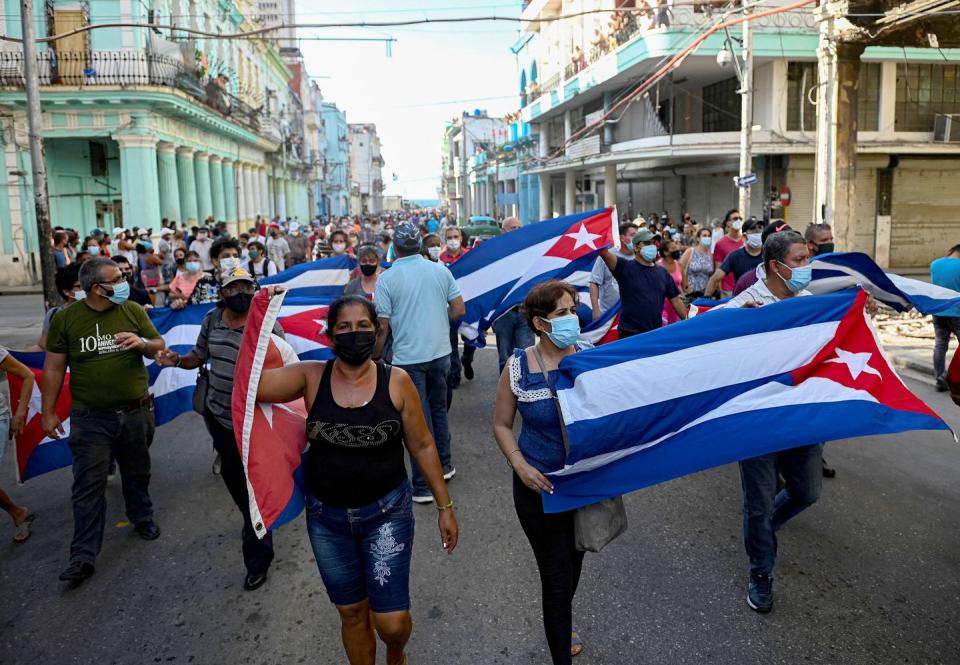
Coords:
pixel 596 525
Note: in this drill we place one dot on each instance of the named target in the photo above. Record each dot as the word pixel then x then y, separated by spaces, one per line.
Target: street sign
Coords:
pixel 746 181
pixel 785 196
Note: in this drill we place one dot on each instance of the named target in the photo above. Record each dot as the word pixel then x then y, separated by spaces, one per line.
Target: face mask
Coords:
pixel 649 253
pixel 799 279
pixel 676 254
pixel 706 241
pixel 368 269
pixel 434 253
pixel 93 251
pixel 354 348
pixel 754 240
pixel 146 243
pixel 119 294
pixel 79 294
pixel 453 245
pixel 824 248
pixel 193 266
pixel 294 233
pixel 338 248
pixel 201 236
pixel 180 262
pixel 254 253
pixel 737 225
pixel 239 302
pixel 229 263
pixel 564 330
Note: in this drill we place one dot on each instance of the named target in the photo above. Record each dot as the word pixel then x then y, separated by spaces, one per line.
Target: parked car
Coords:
pixel 479 228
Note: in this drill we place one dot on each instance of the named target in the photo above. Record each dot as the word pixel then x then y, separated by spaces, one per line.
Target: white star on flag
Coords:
pixel 583 238
pixel 857 363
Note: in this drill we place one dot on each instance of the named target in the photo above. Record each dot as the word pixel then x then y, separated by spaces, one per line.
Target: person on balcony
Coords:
pixel 601 43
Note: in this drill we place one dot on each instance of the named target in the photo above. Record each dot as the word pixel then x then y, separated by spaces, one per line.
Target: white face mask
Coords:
pixel 434 253
pixel 79 294
pixel 737 225
pixel 754 240
pixel 706 241
pixel 201 236
pixel 338 247
pixel 453 245
pixel 229 263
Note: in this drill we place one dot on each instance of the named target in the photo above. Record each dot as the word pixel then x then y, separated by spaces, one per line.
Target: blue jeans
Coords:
pixel 364 553
pixel 430 378
pixel 512 333
pixel 765 510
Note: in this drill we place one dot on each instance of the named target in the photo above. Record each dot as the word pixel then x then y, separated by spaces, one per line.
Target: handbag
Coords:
pixel 598 524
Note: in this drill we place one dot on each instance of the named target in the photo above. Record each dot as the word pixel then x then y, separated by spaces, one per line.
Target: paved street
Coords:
pixel 870 575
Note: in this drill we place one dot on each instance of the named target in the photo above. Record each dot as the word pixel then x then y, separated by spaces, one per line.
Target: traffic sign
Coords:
pixel 746 181
pixel 785 196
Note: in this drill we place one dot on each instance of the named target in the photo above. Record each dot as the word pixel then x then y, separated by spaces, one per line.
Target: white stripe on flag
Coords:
pixel 771 395
pixel 320 277
pixel 171 379
pixel 182 335
pixel 600 392
pixel 915 287
pixel 854 278
pixel 511 267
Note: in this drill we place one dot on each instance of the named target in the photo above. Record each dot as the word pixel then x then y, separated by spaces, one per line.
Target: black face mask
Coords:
pixel 824 248
pixel 368 269
pixel 354 348
pixel 180 262
pixel 239 302
pixel 676 254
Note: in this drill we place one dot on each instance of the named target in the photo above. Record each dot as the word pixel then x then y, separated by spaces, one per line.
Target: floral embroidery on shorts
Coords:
pixel 385 549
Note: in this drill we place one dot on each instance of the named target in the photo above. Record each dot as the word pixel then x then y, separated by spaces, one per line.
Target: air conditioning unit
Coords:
pixel 946 128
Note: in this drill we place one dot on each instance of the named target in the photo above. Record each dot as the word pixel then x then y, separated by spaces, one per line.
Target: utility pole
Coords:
pixel 746 111
pixel 48 266
pixel 826 158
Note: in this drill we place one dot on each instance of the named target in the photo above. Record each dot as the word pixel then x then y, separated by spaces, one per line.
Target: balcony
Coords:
pixel 90 69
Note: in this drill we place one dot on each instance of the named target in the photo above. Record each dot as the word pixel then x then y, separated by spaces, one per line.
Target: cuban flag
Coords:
pixel 755 381
pixel 271 437
pixel 324 278
pixel 604 330
pixel 497 275
pixel 842 270
pixel 34 452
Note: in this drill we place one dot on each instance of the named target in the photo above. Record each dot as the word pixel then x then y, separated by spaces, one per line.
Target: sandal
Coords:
pixel 576 644
pixel 22 533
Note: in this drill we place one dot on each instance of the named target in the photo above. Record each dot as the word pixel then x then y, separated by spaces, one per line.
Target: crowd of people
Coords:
pixel 388 391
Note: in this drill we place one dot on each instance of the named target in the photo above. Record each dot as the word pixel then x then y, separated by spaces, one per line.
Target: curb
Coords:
pixel 914 369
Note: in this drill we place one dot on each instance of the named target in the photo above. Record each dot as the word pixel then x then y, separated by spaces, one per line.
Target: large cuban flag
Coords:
pixel 754 381
pixel 34 452
pixel 324 278
pixel 498 274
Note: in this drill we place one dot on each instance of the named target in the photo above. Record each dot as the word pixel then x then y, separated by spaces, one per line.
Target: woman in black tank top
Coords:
pixel 361 414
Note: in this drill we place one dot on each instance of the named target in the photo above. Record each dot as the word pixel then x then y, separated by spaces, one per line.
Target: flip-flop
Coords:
pixel 576 644
pixel 22 533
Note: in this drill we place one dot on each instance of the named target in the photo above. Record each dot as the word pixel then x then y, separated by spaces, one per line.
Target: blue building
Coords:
pixel 336 200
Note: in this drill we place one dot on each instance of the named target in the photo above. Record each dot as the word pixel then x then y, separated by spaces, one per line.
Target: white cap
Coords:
pixel 118 230
pixel 294 226
pixel 165 232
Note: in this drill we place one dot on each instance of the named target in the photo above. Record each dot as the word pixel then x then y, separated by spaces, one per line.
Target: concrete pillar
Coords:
pixel 293 204
pixel 888 100
pixel 204 197
pixel 169 189
pixel 844 217
pixel 278 183
pixel 230 196
pixel 255 188
pixel 607 127
pixel 248 193
pixel 567 125
pixel 139 180
pixel 610 185
pixel 270 197
pixel 216 188
pixel 243 215
pixel 264 192
pixel 544 146
pixel 546 209
pixel 187 182
pixel 569 192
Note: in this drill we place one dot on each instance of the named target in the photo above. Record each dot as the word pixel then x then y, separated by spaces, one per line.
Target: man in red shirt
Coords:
pixel 454 246
pixel 733 240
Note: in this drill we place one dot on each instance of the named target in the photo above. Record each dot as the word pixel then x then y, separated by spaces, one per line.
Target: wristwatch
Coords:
pixel 145 341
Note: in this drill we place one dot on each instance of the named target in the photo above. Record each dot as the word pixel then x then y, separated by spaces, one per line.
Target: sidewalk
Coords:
pixel 32 289
pixel 908 340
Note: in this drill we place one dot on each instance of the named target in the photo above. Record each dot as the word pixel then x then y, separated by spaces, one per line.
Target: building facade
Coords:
pixel 140 126
pixel 366 170
pixel 675 148
pixel 465 186
pixel 336 201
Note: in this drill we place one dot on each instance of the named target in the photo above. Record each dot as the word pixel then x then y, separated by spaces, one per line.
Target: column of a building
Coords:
pixel 271 200
pixel 569 192
pixel 278 183
pixel 204 197
pixel 230 196
pixel 188 184
pixel 248 193
pixel 216 188
pixel 546 211
pixel 169 188
pixel 291 192
pixel 243 215
pixel 139 180
pixel 610 185
pixel 264 192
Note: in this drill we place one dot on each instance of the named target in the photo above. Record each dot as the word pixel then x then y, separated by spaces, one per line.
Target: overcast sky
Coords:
pixel 432 73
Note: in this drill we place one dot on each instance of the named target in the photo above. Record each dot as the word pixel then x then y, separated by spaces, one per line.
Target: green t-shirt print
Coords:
pixel 102 374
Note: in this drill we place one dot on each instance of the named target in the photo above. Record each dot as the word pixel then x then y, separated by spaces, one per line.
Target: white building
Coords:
pixel 467 140
pixel 366 164
pixel 279 12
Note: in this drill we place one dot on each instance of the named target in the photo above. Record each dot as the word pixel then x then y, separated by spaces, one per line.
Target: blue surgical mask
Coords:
pixel 93 251
pixel 120 294
pixel 649 253
pixel 799 277
pixel 565 330
pixel 706 241
pixel 193 266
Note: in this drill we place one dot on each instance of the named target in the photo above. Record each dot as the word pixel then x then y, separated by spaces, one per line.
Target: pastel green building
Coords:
pixel 137 126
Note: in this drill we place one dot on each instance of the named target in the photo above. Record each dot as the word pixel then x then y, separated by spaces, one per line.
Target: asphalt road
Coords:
pixel 868 575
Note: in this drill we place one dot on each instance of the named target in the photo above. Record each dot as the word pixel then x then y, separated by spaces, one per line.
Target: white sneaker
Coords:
pixel 422 498
pixel 447 475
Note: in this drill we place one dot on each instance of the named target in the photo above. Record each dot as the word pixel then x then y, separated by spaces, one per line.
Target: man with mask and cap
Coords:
pixel 819 239
pixel 418 300
pixel 103 339
pixel 740 261
pixel 643 286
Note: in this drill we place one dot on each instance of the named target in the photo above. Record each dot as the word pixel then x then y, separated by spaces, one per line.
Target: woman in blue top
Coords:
pixel 551 311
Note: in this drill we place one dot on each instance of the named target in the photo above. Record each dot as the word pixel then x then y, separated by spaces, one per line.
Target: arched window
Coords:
pixel 533 71
pixel 523 82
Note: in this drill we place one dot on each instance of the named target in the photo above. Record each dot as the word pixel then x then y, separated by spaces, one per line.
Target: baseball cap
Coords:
pixel 165 232
pixel 776 226
pixel 118 231
pixel 97 232
pixel 236 275
pixel 642 235
pixel 406 237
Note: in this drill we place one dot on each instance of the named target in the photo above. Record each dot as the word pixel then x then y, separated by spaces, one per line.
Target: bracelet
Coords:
pixel 449 506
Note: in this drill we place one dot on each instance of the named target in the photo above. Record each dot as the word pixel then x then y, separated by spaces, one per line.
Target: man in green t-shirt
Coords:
pixel 104 339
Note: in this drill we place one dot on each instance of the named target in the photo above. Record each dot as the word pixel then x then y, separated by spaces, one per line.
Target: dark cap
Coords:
pixel 406 237
pixel 776 226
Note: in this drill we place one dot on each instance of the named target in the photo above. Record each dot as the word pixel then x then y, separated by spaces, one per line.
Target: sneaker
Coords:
pixel 760 593
pixel 148 530
pixel 467 370
pixel 77 572
pixel 449 473
pixel 215 469
pixel 423 498
pixel 828 471
pixel 942 386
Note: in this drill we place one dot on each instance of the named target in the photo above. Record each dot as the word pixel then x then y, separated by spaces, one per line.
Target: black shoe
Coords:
pixel 828 471
pixel 467 370
pixel 148 530
pixel 77 572
pixel 254 581
pixel 760 593
pixel 942 386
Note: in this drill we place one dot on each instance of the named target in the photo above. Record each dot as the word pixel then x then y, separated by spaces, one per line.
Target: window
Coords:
pixel 802 94
pixel 923 91
pixel 721 106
